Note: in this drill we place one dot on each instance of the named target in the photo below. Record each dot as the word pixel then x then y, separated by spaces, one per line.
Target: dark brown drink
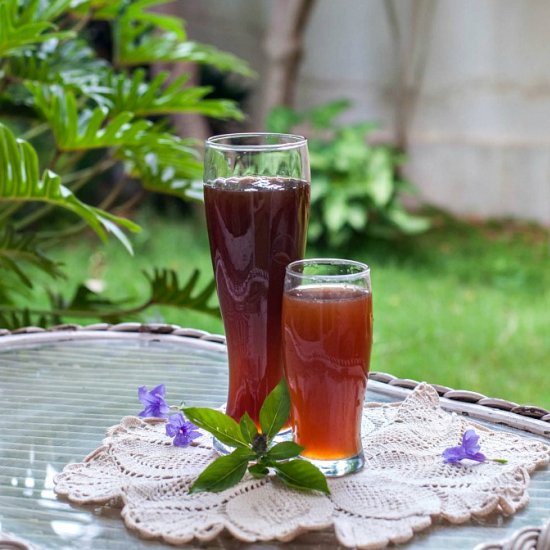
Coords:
pixel 256 227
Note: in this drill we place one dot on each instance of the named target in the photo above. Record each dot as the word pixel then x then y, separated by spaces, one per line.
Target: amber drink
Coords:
pixel 327 334
pixel 256 196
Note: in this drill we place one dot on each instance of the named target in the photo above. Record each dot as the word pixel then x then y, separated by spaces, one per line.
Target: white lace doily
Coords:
pixel 403 487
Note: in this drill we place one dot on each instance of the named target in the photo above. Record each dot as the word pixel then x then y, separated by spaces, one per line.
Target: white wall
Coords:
pixel 480 137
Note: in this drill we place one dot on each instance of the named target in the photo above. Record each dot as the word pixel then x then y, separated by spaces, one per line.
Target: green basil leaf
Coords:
pixel 284 450
pixel 258 470
pixel 301 474
pixel 223 473
pixel 266 462
pixel 248 428
pixel 275 410
pixel 220 425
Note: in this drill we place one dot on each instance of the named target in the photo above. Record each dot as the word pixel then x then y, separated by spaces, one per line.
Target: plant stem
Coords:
pixel 131 202
pixel 4 82
pixel 78 227
pixel 35 131
pixel 86 173
pixel 10 209
pixel 54 236
pixel 51 238
pixel 82 23
pixel 53 161
pixel 72 161
pixel 41 212
pixel 108 201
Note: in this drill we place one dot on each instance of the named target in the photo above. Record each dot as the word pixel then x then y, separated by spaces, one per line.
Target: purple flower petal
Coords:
pixel 184 440
pixel 175 422
pixel 181 430
pixel 478 457
pixel 452 455
pixel 470 442
pixel 159 390
pixel 153 402
pixel 469 448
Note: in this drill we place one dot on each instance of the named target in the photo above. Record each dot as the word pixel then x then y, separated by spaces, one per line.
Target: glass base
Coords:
pixel 338 468
pixel 223 449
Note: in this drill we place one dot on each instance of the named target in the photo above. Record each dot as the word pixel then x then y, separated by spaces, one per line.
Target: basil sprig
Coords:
pixel 253 449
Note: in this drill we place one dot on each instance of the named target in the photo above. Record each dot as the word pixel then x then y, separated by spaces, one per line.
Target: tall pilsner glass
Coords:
pixel 256 195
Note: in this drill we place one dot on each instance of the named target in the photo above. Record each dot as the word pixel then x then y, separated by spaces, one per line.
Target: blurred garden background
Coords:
pixel 430 154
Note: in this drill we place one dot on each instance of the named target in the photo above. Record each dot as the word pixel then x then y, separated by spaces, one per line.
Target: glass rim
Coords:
pixel 295 141
pixel 364 269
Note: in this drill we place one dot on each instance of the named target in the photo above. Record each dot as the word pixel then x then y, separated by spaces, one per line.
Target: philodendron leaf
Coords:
pixel 16 250
pixel 224 472
pixel 301 474
pixel 167 289
pixel 221 426
pixel 248 428
pixel 284 450
pixel 21 182
pixel 275 410
pixel 20 30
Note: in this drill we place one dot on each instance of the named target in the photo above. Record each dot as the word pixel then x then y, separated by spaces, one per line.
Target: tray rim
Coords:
pixel 533 418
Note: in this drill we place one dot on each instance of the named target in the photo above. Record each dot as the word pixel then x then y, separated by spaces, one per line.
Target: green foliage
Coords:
pixel 223 473
pixel 77 129
pixel 249 430
pixel 17 251
pixel 220 425
pixel 77 109
pixel 72 64
pixel 255 451
pixel 164 290
pixel 300 474
pixel 137 40
pixel 160 96
pixel 20 182
pixel 356 186
pixel 275 411
pixel 31 25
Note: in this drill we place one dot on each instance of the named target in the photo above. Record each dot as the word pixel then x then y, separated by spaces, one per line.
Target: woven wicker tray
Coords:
pixel 64 386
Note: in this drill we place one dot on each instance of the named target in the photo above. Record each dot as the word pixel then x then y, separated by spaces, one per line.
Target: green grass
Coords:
pixel 465 305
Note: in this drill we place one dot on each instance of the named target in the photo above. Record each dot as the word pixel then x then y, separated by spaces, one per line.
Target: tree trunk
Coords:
pixel 283 48
pixel 189 124
pixel 411 44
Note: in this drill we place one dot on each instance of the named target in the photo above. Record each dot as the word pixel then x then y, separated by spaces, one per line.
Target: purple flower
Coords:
pixel 181 430
pixel 153 401
pixel 469 448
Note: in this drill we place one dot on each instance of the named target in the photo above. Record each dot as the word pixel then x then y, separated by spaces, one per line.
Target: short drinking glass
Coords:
pixel 327 340
pixel 256 195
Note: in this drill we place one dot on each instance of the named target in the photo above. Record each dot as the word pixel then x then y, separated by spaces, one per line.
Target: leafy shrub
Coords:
pixel 355 187
pixel 91 117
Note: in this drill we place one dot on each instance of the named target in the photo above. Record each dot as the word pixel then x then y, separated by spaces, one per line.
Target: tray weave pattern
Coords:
pixel 467 396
